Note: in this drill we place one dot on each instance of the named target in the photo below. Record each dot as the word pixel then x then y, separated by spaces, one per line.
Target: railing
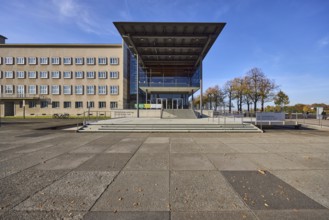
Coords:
pixel 221 117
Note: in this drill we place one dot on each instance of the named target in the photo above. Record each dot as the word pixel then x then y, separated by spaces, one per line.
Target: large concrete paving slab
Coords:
pixel 319 214
pixel 157 140
pixel 149 161
pixel 190 162
pixel 216 148
pixel 77 191
pixel 313 183
pixel 247 148
pixel 264 191
pixel 232 162
pixel 188 147
pixel 202 191
pixel 129 215
pixel 271 161
pixel 126 145
pixel 42 215
pixel 309 160
pixel 65 161
pixel 106 162
pixel 154 148
pixel 91 149
pixel 18 187
pixel 219 215
pixel 136 191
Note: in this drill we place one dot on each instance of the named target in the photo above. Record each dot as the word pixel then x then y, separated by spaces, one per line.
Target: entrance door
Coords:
pixel 9 108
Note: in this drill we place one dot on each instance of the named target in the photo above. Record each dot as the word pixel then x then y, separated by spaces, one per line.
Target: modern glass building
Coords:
pixel 163 61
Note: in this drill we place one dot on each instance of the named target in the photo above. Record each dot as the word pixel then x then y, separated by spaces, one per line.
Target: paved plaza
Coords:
pixel 56 174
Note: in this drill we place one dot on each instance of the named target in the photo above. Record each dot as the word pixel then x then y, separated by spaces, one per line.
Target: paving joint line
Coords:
pixel 116 176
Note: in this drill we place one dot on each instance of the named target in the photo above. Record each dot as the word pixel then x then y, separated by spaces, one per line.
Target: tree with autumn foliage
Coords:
pixel 281 99
pixel 214 95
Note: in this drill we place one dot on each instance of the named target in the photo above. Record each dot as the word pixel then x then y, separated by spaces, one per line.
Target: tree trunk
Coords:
pixel 229 103
pixel 255 106
pixel 262 105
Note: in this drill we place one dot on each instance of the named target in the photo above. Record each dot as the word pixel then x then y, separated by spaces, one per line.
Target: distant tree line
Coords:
pixel 299 108
pixel 251 90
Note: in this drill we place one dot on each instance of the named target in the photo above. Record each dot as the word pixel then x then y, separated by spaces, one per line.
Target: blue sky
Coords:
pixel 287 39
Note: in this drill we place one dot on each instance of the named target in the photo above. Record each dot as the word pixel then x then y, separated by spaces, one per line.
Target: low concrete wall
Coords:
pixel 132 113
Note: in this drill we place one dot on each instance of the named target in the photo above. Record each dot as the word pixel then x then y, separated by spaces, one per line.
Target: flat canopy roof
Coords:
pixel 169 47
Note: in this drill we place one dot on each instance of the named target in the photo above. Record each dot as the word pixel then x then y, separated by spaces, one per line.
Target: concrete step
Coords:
pixel 164 128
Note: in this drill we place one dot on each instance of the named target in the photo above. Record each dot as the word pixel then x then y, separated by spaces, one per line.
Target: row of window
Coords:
pixel 78 104
pixel 57 74
pixel 59 60
pixel 56 90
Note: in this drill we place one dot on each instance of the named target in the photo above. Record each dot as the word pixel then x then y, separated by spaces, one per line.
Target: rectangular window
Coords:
pixel 43 74
pixel 67 104
pixel 32 104
pixel 32 60
pixel 79 60
pixel 0 60
pixel 114 75
pixel 67 75
pixel 55 104
pixel 102 60
pixel 113 104
pixel 55 89
pixel 9 89
pixel 67 90
pixel 102 90
pixel 90 60
pixel 9 60
pixel 20 60
pixel 44 104
pixel 114 60
pixel 90 90
pixel 91 75
pixel 43 89
pixel 9 74
pixel 101 104
pixel 90 104
pixel 32 89
pixel 102 74
pixel 55 60
pixel 32 75
pixel 20 74
pixel 114 90
pixel 79 75
pixel 20 91
pixel 79 90
pixel 43 60
pixel 55 75
pixel 67 60
pixel 78 105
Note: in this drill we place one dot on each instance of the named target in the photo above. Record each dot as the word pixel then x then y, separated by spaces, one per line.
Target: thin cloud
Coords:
pixel 323 42
pixel 72 11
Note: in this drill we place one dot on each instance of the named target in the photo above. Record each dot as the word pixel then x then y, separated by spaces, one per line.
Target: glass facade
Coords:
pixel 147 82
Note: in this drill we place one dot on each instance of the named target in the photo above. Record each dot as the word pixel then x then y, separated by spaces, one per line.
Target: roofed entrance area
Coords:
pixel 164 60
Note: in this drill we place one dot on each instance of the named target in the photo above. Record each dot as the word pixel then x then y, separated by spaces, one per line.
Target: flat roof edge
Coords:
pixel 63 45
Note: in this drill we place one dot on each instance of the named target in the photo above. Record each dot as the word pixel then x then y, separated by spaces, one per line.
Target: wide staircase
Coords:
pixel 179 114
